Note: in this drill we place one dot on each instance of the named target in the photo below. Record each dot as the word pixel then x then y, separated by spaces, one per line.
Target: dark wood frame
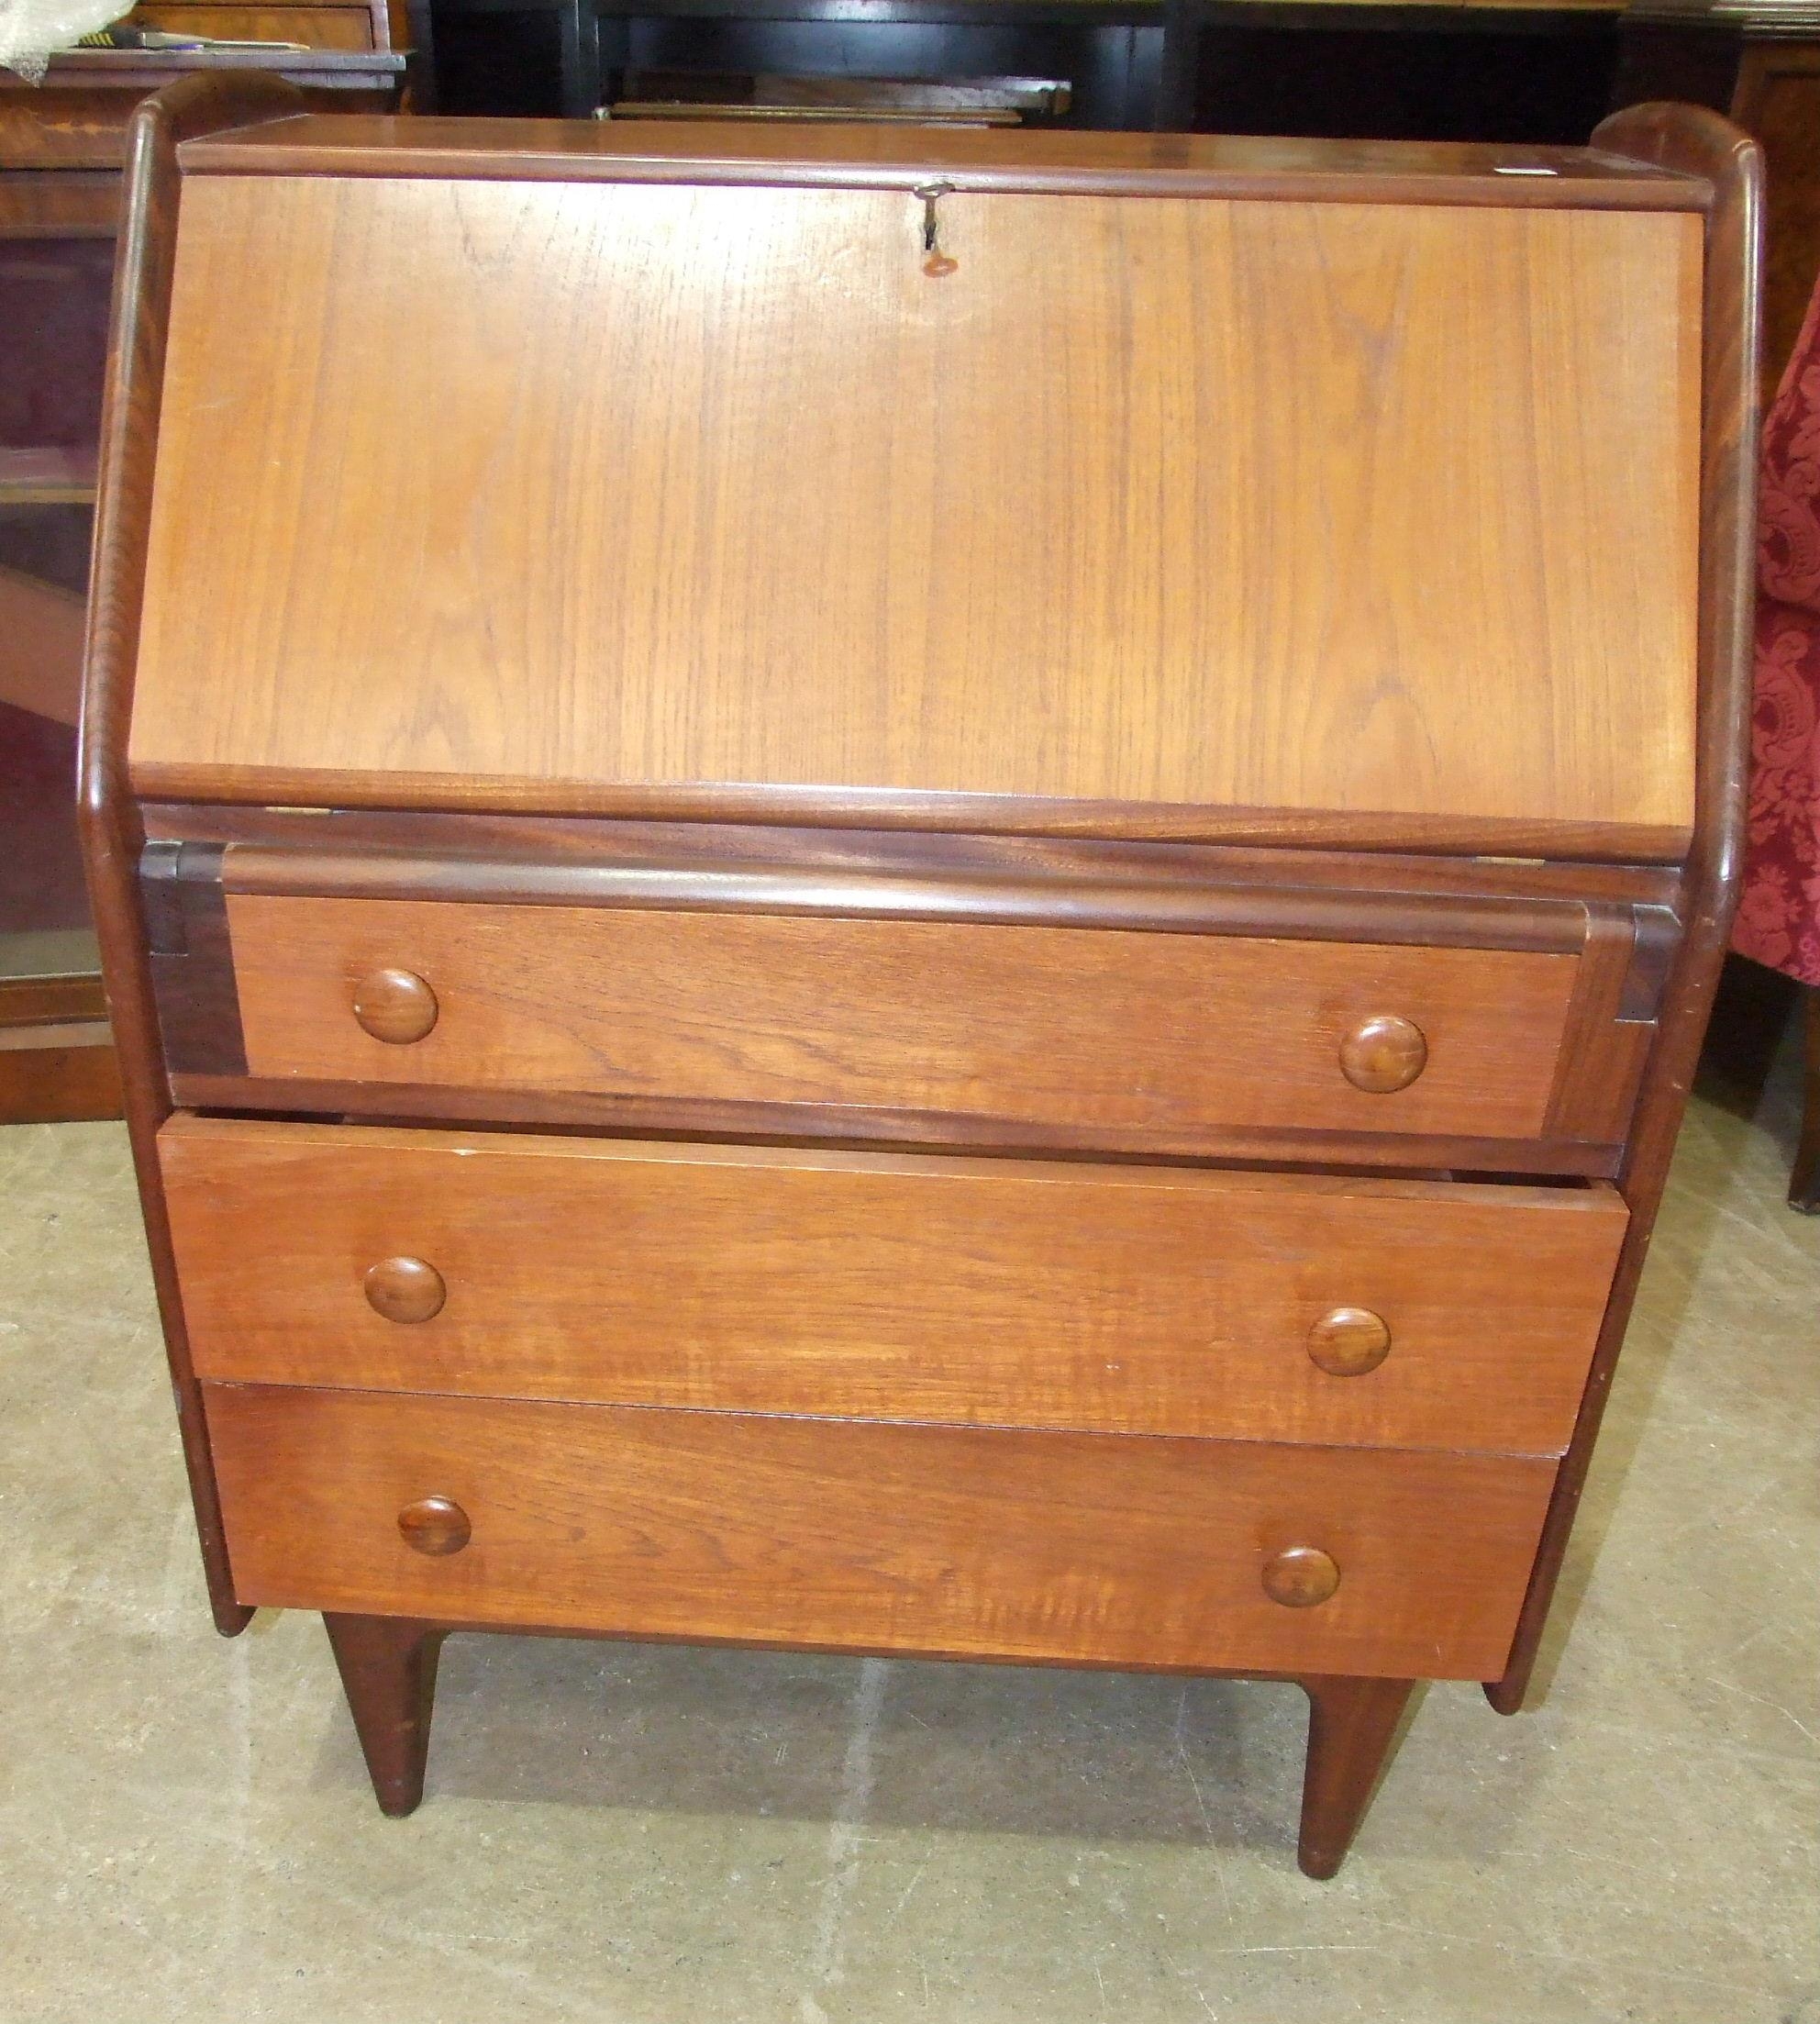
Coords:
pixel 388 1664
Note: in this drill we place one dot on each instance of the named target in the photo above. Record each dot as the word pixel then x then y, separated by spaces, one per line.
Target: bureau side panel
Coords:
pixel 1143 502
pixel 956 1541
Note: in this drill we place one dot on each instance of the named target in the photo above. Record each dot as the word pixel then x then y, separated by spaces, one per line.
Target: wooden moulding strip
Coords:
pixel 914 808
pixel 1071 163
pixel 1304 913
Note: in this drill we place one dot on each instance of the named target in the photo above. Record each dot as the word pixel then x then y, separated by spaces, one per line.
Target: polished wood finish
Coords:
pixel 1385 1151
pixel 112 834
pixel 435 1526
pixel 843 1535
pixel 318 27
pixel 1050 1026
pixel 1336 648
pixel 1005 879
pixel 925 813
pixel 1384 1054
pixel 58 1074
pixel 1051 162
pixel 405 1289
pixel 1352 1727
pixel 1349 1341
pixel 1301 1577
pixel 1620 920
pixel 388 1671
pixel 1118 1298
pixel 1303 892
pixel 1052 778
pixel 393 1005
pixel 1704 144
pixel 40 639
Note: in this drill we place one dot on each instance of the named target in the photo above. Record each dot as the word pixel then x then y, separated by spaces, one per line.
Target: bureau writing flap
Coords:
pixel 1152 500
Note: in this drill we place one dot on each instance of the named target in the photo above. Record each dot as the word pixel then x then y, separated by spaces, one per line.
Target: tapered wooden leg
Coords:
pixel 1804 1181
pixel 1350 1724
pixel 388 1669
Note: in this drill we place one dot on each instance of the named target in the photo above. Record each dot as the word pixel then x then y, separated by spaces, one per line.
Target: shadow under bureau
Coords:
pixel 937 893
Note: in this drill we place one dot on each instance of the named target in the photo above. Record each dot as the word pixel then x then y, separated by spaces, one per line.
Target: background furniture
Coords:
pixel 1079 1067
pixel 62 144
pixel 1779 917
pixel 1758 60
pixel 1417 72
pixel 573 57
pixel 1344 69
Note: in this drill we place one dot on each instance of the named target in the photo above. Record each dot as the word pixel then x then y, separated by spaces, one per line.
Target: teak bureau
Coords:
pixel 913 892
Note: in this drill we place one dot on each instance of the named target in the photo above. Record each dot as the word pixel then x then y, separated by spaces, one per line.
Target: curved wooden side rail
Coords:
pixel 1699 143
pixel 110 826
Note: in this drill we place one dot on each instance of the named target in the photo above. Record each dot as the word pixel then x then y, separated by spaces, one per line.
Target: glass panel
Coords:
pixel 53 315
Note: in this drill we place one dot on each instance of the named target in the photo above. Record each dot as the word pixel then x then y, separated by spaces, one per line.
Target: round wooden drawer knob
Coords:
pixel 1301 1576
pixel 405 1289
pixel 1384 1054
pixel 1349 1341
pixel 435 1525
pixel 395 1005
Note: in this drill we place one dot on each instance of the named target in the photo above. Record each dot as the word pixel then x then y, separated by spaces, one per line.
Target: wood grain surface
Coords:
pixel 841 1535
pixel 1109 1299
pixel 1381 509
pixel 855 154
pixel 1099 1029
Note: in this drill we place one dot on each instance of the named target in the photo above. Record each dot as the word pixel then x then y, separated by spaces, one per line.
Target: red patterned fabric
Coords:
pixel 1778 919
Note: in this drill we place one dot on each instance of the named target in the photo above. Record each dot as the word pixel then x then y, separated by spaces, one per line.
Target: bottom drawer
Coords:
pixel 1109 1549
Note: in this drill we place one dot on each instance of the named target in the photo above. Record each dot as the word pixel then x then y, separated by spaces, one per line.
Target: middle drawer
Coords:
pixel 1121 1299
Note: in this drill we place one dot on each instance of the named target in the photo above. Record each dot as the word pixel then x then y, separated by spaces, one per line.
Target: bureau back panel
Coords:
pixel 1306 506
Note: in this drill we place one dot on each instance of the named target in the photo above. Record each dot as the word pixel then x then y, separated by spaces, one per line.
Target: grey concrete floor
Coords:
pixel 633 1833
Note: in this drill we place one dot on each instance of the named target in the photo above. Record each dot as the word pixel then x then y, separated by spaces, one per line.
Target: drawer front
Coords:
pixel 879 1285
pixel 953 1541
pixel 1071 1029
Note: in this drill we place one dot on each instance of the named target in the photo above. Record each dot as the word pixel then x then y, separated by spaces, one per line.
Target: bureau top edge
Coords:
pixel 1051 161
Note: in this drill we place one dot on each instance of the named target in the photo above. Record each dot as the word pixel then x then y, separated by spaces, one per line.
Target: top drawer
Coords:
pixel 959 1032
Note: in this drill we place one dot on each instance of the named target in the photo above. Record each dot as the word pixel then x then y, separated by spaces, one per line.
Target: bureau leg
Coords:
pixel 1350 1727
pixel 388 1670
